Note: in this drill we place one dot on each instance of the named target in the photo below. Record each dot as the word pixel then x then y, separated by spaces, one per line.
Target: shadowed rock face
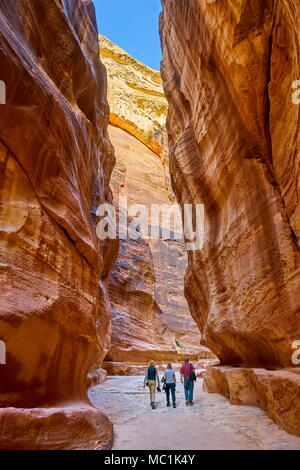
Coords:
pixel 151 319
pixel 228 70
pixel 56 160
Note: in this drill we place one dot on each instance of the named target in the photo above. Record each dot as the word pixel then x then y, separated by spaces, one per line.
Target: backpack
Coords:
pixel 152 373
pixel 192 376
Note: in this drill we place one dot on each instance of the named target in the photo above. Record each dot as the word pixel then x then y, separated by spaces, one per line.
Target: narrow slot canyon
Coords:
pixel 150 315
pixel 89 133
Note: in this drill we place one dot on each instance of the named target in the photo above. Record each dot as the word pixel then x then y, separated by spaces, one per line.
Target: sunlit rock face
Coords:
pixel 275 391
pixel 228 70
pixel 151 319
pixel 136 97
pixel 56 162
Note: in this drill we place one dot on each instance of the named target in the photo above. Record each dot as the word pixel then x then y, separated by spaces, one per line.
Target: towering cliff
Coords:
pixel 56 162
pixel 150 318
pixel 228 70
pixel 136 99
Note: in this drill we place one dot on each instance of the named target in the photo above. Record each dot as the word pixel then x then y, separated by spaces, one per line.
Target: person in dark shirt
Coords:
pixel 151 378
pixel 187 376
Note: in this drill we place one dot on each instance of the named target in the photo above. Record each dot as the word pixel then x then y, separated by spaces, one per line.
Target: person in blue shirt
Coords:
pixel 169 379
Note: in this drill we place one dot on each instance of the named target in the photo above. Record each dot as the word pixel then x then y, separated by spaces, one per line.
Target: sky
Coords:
pixel 133 26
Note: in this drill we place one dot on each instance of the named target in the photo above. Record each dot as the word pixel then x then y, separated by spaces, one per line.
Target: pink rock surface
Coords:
pixel 228 70
pixel 243 286
pixel 55 163
pixel 277 392
pixel 74 427
pixel 150 315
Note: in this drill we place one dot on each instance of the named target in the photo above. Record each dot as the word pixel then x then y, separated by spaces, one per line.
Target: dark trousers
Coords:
pixel 170 388
pixel 188 390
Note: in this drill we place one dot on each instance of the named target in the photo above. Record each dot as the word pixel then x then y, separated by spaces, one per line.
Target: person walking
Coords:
pixel 151 378
pixel 188 377
pixel 169 379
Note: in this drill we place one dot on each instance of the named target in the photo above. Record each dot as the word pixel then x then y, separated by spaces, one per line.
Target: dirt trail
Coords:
pixel 212 423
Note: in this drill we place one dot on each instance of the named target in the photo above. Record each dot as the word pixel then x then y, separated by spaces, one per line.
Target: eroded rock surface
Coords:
pixel 275 391
pixel 228 70
pixel 56 160
pixel 151 319
pixel 136 97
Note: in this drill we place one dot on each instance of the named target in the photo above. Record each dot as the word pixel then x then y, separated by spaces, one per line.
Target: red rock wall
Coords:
pixel 228 70
pixel 139 288
pixel 150 315
pixel 56 161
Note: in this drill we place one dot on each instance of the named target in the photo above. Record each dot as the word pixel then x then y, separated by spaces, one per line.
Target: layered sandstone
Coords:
pixel 275 391
pixel 151 319
pixel 135 95
pixel 228 71
pixel 56 161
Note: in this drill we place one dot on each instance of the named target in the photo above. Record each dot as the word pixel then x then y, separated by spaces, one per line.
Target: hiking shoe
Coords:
pixel 187 403
pixel 168 404
pixel 153 406
pixel 174 405
pixel 191 403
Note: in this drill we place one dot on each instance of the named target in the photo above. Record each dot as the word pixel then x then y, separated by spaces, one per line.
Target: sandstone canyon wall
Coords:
pixel 150 316
pixel 56 161
pixel 228 69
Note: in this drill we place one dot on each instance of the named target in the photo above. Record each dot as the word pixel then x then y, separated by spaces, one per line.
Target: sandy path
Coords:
pixel 212 423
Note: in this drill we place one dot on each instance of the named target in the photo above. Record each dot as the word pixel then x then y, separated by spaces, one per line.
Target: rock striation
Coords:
pixel 55 161
pixel 150 316
pixel 228 70
pixel 136 97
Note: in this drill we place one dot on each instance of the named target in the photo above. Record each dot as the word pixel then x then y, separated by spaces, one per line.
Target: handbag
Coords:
pixel 164 384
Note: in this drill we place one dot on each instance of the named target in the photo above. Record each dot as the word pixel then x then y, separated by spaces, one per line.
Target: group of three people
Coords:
pixel 187 377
